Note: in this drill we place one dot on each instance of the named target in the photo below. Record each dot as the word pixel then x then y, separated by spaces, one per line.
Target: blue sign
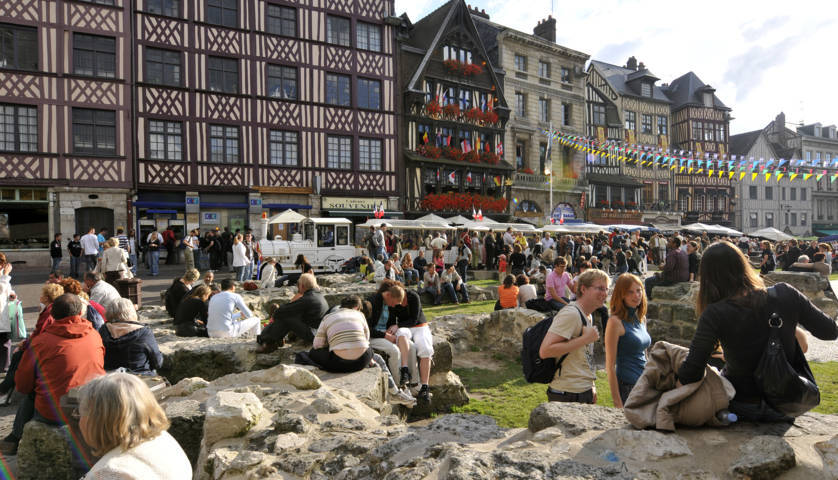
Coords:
pixel 566 209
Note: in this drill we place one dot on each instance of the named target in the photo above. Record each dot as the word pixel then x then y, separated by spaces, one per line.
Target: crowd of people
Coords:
pixel 85 328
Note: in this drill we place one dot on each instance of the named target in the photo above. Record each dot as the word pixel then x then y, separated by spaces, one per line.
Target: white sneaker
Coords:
pixel 402 397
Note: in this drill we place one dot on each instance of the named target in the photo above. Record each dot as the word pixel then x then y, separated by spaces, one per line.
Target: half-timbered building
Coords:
pixel 454 116
pixel 252 106
pixel 625 108
pixel 65 121
pixel 544 87
pixel 700 127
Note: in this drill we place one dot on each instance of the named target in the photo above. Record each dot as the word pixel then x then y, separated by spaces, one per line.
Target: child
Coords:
pixel 502 263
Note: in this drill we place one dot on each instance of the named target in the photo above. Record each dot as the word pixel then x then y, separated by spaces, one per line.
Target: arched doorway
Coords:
pixel 96 217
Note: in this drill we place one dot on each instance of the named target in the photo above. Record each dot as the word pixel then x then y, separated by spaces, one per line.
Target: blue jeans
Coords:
pixel 239 273
pixel 437 296
pixel 56 261
pixel 75 262
pixel 557 305
pixel 248 272
pixel 154 262
pixel 411 275
pixel 452 293
pixel 90 260
pixel 381 251
pixel 133 259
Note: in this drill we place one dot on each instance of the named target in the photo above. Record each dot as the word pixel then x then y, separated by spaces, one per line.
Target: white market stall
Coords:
pixel 771 233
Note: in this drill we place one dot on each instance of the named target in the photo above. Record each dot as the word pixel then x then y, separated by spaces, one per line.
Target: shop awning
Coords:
pixel 286 206
pixel 361 213
pixel 157 204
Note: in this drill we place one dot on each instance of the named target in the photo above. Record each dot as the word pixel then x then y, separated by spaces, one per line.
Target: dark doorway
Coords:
pixel 96 217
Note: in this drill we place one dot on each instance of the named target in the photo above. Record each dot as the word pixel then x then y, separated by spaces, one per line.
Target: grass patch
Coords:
pixel 504 395
pixel 489 283
pixel 432 312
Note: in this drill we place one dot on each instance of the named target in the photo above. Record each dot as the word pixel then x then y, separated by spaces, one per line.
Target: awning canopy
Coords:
pixel 288 216
pixel 771 233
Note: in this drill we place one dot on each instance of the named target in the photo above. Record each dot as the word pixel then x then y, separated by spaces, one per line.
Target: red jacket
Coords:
pixel 99 308
pixel 68 353
pixel 44 319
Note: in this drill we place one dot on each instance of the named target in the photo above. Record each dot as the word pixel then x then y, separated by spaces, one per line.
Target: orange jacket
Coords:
pixel 68 353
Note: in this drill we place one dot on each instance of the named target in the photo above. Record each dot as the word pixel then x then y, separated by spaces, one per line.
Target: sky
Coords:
pixel 762 57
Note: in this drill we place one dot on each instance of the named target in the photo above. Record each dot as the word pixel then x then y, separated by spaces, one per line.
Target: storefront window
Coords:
pixel 24 219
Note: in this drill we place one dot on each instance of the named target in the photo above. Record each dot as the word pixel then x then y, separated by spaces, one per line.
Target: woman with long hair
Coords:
pixel 626 338
pixel 733 307
pixel 768 263
pixel 507 294
pixel 517 261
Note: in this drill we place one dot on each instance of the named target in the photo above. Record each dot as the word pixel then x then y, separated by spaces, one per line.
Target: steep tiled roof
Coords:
pixel 619 77
pixel 686 90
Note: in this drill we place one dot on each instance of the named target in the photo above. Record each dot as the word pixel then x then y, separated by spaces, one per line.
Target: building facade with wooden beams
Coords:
pixel 65 122
pixel 545 88
pixel 454 116
pixel 700 127
pixel 251 106
pixel 626 107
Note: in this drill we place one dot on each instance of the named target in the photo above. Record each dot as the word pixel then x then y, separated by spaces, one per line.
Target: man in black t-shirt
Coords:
pixel 75 250
pixel 55 253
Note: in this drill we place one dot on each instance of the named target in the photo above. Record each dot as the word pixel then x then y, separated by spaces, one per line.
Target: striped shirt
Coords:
pixel 123 242
pixel 343 330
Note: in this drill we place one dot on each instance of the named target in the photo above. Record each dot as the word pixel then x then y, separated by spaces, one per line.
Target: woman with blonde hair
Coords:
pixel 239 257
pixel 120 420
pixel 626 338
pixel 114 261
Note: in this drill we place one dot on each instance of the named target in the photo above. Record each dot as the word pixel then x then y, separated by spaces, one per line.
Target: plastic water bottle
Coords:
pixel 725 417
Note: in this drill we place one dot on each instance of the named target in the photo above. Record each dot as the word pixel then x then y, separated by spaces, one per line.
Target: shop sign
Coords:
pixel 193 203
pixel 255 203
pixel 350 203
pixel 209 218
pixel 566 209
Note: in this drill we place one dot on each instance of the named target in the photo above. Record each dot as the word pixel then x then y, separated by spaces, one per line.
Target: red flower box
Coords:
pixel 451 110
pixel 471 157
pixel 489 158
pixel 429 151
pixel 463 202
pixel 453 66
pixel 452 153
pixel 490 117
pixel 471 69
pixel 433 108
pixel 474 114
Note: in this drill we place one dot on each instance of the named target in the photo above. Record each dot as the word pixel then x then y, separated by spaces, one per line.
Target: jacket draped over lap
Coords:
pixel 656 402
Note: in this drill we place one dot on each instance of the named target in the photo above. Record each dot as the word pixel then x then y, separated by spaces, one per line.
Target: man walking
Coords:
pixel 75 250
pixel 90 246
pixel 55 252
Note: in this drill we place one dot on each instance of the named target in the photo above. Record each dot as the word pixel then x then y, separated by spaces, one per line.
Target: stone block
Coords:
pixel 447 390
pixel 762 458
pixel 643 445
pixel 230 414
pixel 443 358
pixel 369 385
pixel 575 418
pixel 675 292
pixel 810 284
pixel 187 425
pixel 44 453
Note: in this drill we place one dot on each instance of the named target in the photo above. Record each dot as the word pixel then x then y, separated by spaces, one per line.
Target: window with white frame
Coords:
pixel 369 154
pixel 18 128
pixel 165 140
pixel 339 152
pixel 284 148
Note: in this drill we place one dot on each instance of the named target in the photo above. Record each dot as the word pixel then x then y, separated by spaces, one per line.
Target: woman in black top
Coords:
pixel 179 288
pixel 768 263
pixel 517 261
pixel 734 308
pixel 191 316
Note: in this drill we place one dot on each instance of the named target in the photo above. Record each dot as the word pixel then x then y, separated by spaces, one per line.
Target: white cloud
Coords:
pixel 761 56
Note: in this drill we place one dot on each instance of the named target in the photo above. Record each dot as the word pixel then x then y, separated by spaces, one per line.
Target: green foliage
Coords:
pixel 432 312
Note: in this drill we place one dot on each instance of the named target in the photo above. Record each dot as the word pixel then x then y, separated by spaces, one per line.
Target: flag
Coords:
pixel 438 138
pixel 448 141
pixel 473 213
pixel 375 212
pixel 477 144
pixel 497 180
pixel 381 210
pixel 425 138
pixel 480 214
pixel 561 218
pixel 468 179
pixel 500 149
pixel 486 147
pixel 452 178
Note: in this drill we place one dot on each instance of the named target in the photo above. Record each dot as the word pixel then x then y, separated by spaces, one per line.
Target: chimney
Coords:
pixel 641 66
pixel 477 12
pixel 546 29
pixel 631 64
pixel 780 123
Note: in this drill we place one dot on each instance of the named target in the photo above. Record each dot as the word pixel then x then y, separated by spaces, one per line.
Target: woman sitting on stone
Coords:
pixel 128 343
pixel 526 290
pixel 626 338
pixel 411 275
pixel 120 419
pixel 178 289
pixel 342 341
pixel 453 283
pixel 507 294
pixel 191 316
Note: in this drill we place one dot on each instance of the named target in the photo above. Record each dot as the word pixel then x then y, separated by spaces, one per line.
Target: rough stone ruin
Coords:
pixel 242 416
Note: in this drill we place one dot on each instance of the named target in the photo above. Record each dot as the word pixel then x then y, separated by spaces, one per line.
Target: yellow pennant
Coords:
pixel 793 176
pixel 682 170
pixel 768 176
pixel 779 176
pixel 721 172
pixel 674 166
pixel 754 176
pixel 700 171
pixel 691 170
pixel 709 173
pixel 806 176
pixel 741 175
pixel 730 175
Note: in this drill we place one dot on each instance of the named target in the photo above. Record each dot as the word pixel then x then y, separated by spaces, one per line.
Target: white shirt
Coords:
pixel 104 293
pixel 438 243
pixel 508 239
pixel 5 290
pixel 268 276
pixel 239 255
pixel 548 243
pixel 160 458
pixel 90 244
pixel 221 307
pixel 526 292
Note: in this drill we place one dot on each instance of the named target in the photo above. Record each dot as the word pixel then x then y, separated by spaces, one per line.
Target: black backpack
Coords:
pixel 537 369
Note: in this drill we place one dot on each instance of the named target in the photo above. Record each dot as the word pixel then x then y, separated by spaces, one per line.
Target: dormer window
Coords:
pixel 708 99
pixel 462 55
pixel 646 89
pixel 817 131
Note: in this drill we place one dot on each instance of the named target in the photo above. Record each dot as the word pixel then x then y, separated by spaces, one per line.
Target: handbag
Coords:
pixel 788 388
pixel 16 322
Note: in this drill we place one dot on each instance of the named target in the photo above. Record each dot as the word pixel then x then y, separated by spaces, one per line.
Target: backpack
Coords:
pixel 537 369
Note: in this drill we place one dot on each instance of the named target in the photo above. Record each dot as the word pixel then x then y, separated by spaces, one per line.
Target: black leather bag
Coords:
pixel 789 388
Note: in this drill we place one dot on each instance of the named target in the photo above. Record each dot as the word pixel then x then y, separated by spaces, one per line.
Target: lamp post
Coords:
pixel 549 173
pixel 548 167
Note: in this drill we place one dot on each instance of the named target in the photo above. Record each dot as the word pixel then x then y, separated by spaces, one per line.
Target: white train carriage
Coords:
pixel 325 242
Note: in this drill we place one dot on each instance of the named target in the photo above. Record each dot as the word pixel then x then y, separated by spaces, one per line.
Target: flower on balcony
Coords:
pixel 490 117
pixel 603 204
pixel 471 69
pixel 631 205
pixel 527 170
pixel 489 158
pixel 453 66
pixel 452 153
pixel 474 114
pixel 433 107
pixel 429 151
pixel 452 110
pixel 618 204
pixel 463 202
pixel 471 157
